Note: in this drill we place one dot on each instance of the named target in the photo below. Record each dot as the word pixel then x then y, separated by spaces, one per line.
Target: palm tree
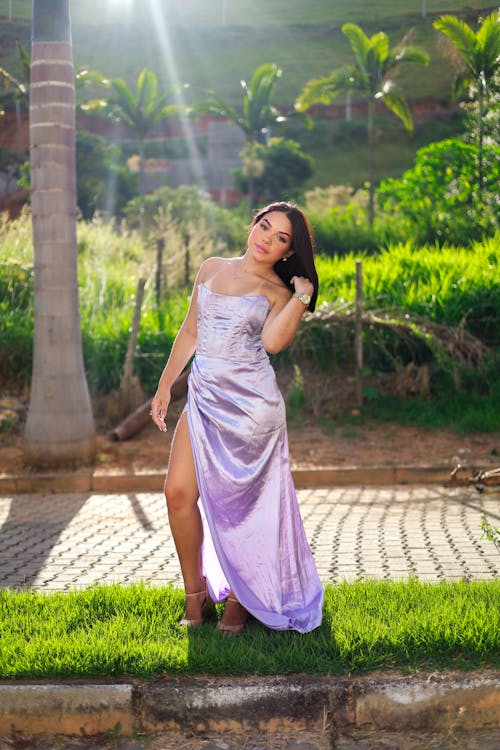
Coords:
pixel 256 117
pixel 257 113
pixel 480 58
pixel 60 427
pixel 140 110
pixel 370 78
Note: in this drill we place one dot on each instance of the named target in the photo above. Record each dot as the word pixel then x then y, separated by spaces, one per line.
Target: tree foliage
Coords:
pixel 371 77
pixel 256 115
pixel 438 193
pixel 140 109
pixel 280 170
pixel 478 70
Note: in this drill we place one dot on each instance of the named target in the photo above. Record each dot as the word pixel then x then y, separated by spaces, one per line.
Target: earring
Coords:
pixel 284 260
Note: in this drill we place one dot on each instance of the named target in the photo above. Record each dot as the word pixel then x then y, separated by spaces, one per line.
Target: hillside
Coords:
pixel 213 45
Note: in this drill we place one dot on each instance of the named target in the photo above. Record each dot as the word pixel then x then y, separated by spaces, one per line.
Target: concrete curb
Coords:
pixel 153 481
pixel 432 702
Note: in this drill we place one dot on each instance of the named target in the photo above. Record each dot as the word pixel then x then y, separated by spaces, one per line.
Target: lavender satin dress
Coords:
pixel 254 540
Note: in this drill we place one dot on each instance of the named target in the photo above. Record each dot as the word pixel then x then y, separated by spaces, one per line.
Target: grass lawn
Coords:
pixel 215 44
pixel 114 631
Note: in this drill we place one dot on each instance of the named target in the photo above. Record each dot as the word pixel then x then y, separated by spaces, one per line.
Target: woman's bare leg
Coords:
pixel 235 615
pixel 181 492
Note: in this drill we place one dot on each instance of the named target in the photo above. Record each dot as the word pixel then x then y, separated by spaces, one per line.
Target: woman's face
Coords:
pixel 271 237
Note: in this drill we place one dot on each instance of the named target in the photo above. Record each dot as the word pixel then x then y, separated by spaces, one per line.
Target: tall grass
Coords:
pixel 110 262
pixel 449 285
pixel 113 631
pixel 455 286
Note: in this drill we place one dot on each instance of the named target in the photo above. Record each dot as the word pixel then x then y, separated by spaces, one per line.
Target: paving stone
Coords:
pixel 58 542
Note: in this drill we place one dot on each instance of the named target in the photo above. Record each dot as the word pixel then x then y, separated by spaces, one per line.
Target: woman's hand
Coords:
pixel 302 285
pixel 159 406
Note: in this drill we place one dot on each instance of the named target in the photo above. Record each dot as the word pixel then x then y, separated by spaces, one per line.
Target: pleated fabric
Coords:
pixel 254 539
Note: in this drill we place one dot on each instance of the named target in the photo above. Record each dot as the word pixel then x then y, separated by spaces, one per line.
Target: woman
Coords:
pixel 231 502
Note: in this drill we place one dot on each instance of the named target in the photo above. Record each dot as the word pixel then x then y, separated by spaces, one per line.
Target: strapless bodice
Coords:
pixel 230 327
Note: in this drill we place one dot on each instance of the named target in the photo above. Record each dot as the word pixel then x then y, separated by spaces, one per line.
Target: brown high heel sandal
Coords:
pixel 207 609
pixel 233 629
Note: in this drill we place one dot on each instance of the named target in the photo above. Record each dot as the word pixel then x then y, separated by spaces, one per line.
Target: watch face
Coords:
pixel 304 298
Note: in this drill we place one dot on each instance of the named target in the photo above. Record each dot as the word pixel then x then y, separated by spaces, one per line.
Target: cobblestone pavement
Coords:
pixel 61 542
pixel 479 739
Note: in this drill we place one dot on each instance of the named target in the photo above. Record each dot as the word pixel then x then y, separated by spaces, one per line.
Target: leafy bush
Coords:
pixel 439 194
pixel 339 217
pixel 279 170
pixel 186 209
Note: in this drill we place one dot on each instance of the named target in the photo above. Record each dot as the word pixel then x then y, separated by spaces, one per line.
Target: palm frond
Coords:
pixel 460 85
pixel 169 94
pixel 25 57
pixel 411 54
pixel 261 85
pixel 488 38
pixel 379 46
pixel 10 81
pixel 324 90
pixel 216 106
pixel 122 92
pixel 396 102
pixel 360 43
pixel 147 89
pixel 460 34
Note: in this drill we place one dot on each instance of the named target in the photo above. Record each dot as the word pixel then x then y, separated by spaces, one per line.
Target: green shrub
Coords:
pixel 339 216
pixel 439 194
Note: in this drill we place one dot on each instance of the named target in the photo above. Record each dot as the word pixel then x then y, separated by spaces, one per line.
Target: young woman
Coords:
pixel 231 502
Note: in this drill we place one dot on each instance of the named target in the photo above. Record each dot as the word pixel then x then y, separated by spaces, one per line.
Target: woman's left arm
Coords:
pixel 284 319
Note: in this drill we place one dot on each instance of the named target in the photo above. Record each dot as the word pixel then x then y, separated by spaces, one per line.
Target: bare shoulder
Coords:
pixel 210 266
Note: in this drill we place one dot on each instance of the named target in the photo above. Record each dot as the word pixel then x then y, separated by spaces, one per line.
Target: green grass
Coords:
pixel 466 411
pixel 191 41
pixel 447 285
pixel 340 149
pixel 114 631
pixel 248 12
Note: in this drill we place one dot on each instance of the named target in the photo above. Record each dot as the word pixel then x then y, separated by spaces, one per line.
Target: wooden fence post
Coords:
pixel 160 246
pixel 359 333
pixel 127 384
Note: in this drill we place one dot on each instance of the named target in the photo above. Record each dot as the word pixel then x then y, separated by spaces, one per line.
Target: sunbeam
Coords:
pixel 170 67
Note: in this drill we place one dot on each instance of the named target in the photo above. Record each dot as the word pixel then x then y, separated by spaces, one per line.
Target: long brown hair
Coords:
pixel 301 263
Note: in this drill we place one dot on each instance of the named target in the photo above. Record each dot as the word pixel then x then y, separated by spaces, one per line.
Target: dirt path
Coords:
pixel 369 444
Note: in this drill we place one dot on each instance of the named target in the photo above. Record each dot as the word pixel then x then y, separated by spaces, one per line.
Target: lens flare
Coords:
pixel 172 74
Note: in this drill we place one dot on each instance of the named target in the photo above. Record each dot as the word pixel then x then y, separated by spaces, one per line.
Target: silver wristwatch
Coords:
pixel 304 298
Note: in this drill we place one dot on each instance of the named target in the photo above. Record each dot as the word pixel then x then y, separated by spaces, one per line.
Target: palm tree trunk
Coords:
pixel 60 426
pixel 142 191
pixel 371 163
pixel 480 140
pixel 251 194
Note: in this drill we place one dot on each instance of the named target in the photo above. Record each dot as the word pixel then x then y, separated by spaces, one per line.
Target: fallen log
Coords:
pixel 139 418
pixel 477 479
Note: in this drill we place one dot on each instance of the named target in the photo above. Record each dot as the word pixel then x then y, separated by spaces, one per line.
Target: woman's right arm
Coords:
pixel 183 349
